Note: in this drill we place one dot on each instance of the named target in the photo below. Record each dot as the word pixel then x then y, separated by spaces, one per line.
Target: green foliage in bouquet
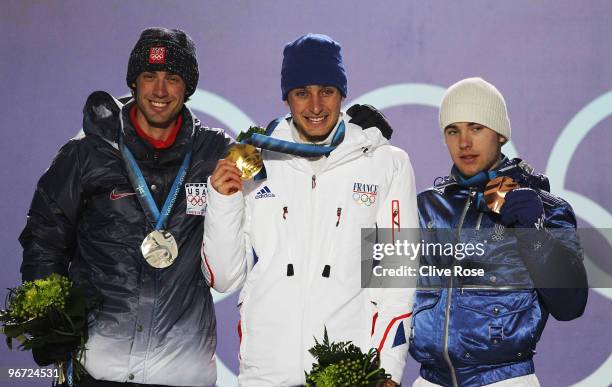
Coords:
pixel 47 312
pixel 344 364
pixel 252 130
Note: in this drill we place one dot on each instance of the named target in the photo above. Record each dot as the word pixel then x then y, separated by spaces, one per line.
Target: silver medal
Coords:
pixel 159 249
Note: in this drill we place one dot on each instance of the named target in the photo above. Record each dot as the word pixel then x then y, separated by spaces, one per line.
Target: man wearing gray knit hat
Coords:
pixel 482 329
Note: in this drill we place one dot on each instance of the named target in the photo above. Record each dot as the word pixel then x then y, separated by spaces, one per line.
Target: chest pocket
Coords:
pixel 111 209
pixel 497 326
pixel 270 216
pixel 424 340
pixel 363 204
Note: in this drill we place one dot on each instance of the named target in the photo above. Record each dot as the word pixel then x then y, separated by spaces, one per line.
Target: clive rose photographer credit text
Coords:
pixel 427 271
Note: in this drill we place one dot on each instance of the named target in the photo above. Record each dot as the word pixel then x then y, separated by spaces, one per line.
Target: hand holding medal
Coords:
pixel 245 156
pixel 496 190
pixel 243 161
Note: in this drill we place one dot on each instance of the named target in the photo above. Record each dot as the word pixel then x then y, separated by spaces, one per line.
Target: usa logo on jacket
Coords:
pixel 195 195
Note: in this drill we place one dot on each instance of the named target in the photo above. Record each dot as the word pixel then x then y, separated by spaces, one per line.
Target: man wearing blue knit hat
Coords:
pixel 292 240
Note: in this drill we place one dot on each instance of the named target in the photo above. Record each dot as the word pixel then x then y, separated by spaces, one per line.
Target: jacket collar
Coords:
pixel 516 168
pixel 106 117
pixel 356 142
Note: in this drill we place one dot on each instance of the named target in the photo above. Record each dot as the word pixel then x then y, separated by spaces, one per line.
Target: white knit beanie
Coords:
pixel 475 100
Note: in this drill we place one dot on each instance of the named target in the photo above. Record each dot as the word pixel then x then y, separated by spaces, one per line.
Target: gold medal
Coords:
pixel 159 249
pixel 496 190
pixel 247 159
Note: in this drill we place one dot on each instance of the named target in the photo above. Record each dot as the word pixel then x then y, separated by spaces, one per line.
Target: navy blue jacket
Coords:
pixel 473 331
pixel 85 221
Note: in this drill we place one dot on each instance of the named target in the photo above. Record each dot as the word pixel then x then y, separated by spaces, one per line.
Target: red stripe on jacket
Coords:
pixel 212 275
pixel 382 342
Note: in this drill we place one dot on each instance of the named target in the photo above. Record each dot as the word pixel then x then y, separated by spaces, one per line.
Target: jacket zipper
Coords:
pixel 478 221
pixel 449 297
pixel 305 270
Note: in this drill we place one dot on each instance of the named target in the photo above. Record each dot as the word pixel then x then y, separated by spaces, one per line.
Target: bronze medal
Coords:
pixel 496 190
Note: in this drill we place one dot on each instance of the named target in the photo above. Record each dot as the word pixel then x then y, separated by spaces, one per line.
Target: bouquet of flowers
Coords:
pixel 48 313
pixel 252 130
pixel 344 364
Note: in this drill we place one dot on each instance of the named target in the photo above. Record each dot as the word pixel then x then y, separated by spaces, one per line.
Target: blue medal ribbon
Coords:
pixel 70 373
pixel 480 180
pixel 143 193
pixel 304 150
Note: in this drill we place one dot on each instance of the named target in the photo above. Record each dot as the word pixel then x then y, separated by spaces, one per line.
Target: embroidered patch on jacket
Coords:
pixel 498 233
pixel 157 55
pixel 265 192
pixel 365 194
pixel 539 224
pixel 195 194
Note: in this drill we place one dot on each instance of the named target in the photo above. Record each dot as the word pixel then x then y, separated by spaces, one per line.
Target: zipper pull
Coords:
pixel 472 195
pixel 395 218
pixel 395 214
pixel 314 181
pixel 338 213
pixel 285 212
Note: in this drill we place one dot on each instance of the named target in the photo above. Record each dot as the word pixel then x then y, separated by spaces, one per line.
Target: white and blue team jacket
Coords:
pixel 292 242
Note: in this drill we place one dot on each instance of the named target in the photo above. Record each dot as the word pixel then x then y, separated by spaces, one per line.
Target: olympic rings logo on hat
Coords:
pixel 157 55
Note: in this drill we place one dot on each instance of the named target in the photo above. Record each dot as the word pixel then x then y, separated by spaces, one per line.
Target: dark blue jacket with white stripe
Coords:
pixel 473 331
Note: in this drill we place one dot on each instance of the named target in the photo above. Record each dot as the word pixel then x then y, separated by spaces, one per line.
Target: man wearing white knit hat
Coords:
pixel 474 104
pixel 481 329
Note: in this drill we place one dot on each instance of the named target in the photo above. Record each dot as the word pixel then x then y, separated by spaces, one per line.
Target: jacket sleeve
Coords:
pixel 48 239
pixel 553 256
pixel 398 211
pixel 226 250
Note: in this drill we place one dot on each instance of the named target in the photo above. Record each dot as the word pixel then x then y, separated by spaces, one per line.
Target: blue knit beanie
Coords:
pixel 312 59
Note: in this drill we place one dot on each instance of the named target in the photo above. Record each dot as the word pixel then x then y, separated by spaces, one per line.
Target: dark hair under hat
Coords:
pixel 162 49
pixel 312 59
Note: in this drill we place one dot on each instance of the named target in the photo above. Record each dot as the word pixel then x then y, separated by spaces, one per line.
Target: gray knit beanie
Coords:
pixel 475 100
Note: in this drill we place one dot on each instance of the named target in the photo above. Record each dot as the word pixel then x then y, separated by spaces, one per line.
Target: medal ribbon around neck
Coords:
pixel 304 150
pixel 493 186
pixel 158 219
